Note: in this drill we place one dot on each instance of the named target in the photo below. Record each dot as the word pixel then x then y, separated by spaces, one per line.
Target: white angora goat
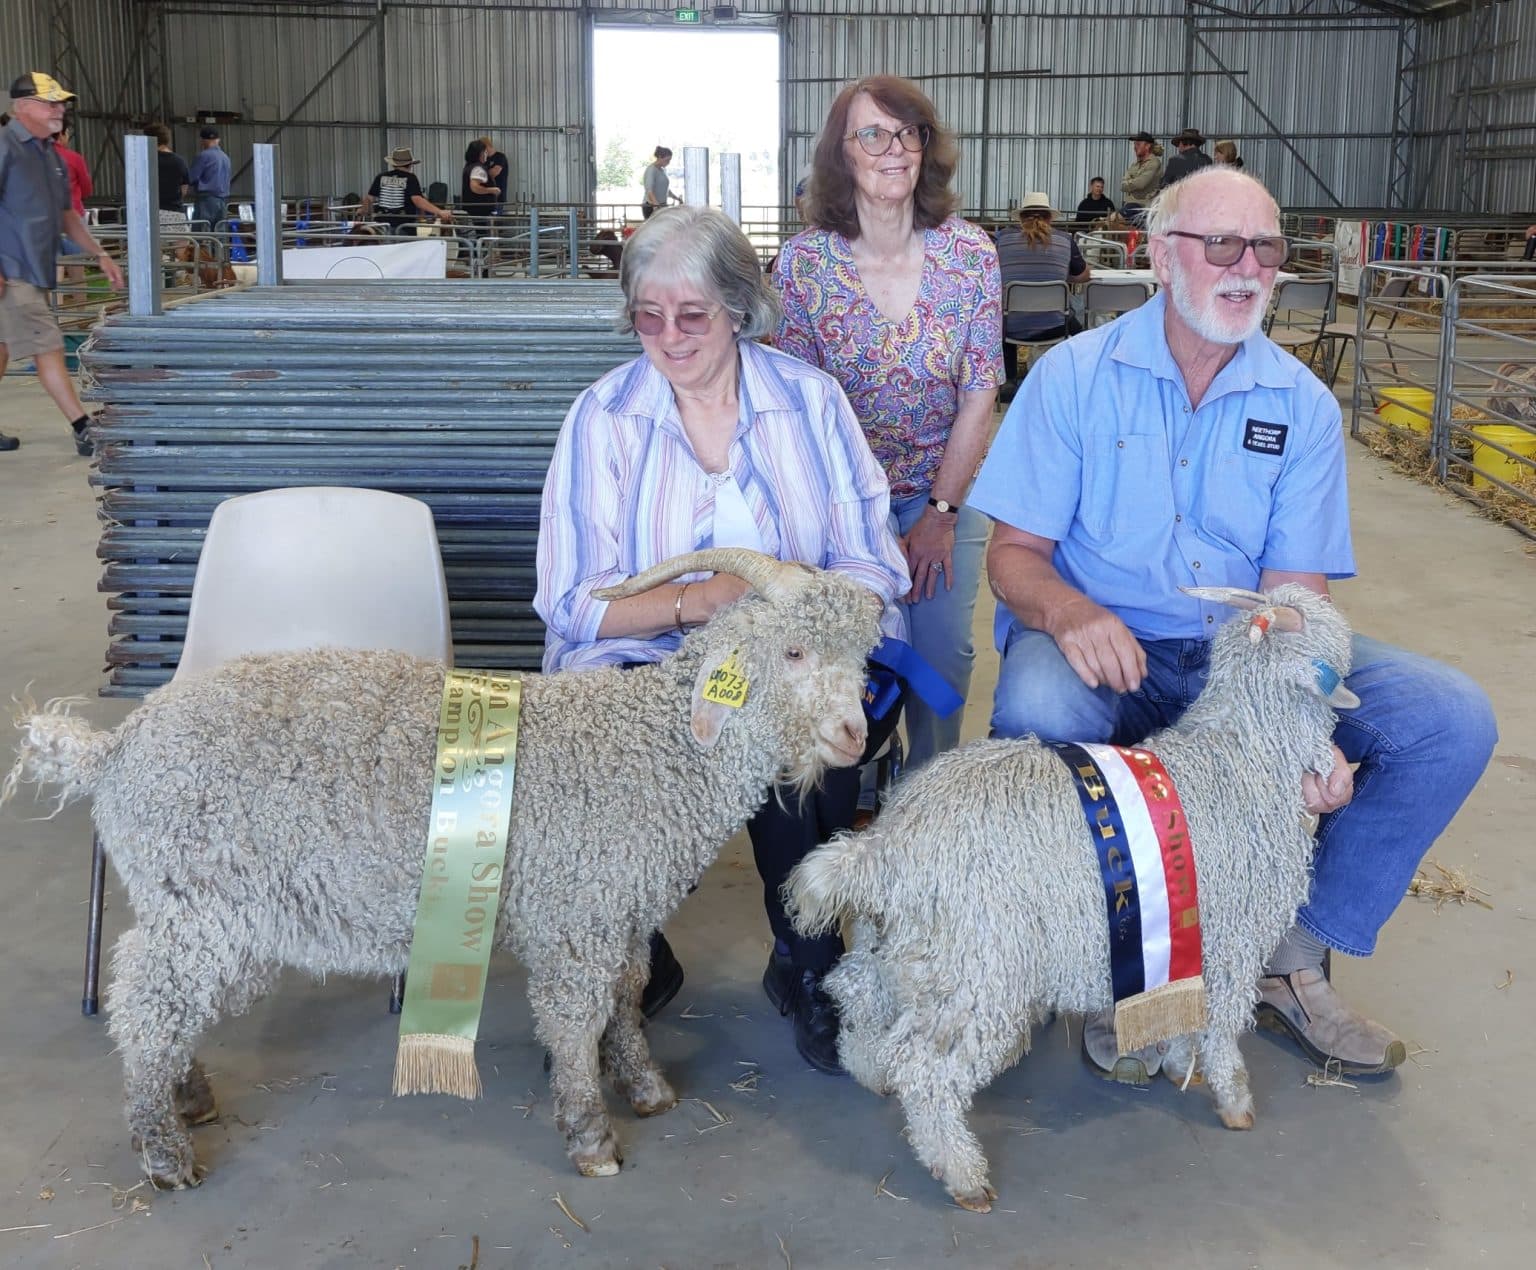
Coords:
pixel 978 903
pixel 272 812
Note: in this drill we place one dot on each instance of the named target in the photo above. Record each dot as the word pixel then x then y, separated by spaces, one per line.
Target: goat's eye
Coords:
pixel 794 653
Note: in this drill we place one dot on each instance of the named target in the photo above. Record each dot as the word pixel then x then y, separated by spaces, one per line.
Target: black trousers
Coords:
pixel 1530 248
pixel 783 835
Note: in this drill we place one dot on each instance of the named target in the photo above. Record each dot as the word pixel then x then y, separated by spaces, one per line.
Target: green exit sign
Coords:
pixel 685 15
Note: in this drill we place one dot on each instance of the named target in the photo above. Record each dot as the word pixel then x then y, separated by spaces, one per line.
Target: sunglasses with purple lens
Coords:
pixel 1222 250
pixel 689 321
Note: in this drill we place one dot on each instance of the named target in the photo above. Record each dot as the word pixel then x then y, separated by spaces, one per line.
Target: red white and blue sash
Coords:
pixel 1141 839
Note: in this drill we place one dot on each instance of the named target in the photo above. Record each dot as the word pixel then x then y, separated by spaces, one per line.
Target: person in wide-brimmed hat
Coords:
pixel 398 194
pixel 1190 158
pixel 1139 185
pixel 1036 252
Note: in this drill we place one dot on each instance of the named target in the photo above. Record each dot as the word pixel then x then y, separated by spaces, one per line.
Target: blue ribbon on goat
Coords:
pixel 895 659
pixel 1122 898
pixel 1327 677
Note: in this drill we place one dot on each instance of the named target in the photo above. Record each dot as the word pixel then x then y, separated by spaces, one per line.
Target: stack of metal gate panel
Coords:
pixel 448 392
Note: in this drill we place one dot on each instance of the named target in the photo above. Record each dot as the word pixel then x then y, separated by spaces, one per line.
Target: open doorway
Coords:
pixel 682 87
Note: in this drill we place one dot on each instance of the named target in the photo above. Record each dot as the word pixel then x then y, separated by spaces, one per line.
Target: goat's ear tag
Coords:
pixel 727 683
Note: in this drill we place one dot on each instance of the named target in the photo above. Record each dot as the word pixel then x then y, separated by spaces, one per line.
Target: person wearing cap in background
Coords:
pixel 1140 183
pixel 209 179
pixel 1190 158
pixel 398 194
pixel 1036 252
pixel 35 208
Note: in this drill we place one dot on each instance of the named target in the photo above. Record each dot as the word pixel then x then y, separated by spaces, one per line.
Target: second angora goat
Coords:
pixel 273 812
pixel 977 900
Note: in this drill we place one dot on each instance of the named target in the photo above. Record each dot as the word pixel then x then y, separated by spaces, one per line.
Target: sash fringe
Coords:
pixel 430 1064
pixel 1160 1014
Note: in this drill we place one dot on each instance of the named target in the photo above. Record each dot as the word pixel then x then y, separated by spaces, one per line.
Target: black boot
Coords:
pixel 798 993
pixel 8 443
pixel 666 977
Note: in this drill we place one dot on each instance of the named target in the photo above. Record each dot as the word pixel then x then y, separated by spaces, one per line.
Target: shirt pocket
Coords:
pixel 1239 499
pixel 1126 485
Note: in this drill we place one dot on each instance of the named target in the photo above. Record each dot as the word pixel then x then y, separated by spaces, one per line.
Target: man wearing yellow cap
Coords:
pixel 35 208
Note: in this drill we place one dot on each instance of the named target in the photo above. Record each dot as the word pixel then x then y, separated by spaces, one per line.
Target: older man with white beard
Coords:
pixel 1178 446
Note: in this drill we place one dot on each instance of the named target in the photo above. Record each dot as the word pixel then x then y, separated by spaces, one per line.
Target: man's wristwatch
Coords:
pixel 940 505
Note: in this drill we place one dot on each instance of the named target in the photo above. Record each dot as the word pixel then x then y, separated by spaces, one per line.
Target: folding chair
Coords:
pixel 1307 305
pixel 1392 289
pixel 1111 299
pixel 1049 298
pixel 289 569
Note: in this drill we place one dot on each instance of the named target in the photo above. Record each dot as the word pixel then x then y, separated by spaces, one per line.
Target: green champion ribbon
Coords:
pixel 466 854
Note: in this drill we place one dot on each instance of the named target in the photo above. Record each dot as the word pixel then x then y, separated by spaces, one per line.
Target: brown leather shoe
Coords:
pixel 1304 1006
pixel 1103 1056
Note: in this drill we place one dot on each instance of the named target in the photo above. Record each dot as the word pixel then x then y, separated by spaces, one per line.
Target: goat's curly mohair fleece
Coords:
pixel 978 903
pixel 273 812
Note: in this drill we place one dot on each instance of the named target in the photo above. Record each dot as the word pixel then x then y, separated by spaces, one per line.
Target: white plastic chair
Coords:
pixel 314 566
pixel 1050 298
pixel 1109 298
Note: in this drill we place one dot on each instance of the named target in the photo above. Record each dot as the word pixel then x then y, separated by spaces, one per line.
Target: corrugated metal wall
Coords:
pixel 1100 68
pixel 1500 170
pixel 90 46
pixel 446 76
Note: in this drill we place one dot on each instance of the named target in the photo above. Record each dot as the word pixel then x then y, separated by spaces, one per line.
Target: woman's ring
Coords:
pixel 938 566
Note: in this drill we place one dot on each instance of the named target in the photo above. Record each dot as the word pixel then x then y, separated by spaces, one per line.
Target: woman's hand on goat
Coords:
pixel 1322 794
pixel 930 550
pixel 1098 645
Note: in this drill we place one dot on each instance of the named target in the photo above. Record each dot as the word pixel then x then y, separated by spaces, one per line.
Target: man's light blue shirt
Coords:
pixel 1102 453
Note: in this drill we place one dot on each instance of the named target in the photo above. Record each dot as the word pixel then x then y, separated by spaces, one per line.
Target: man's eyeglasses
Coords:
pixel 689 321
pixel 876 140
pixel 1222 250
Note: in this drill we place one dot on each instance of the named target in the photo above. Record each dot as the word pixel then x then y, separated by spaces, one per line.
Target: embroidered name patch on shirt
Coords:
pixel 1265 438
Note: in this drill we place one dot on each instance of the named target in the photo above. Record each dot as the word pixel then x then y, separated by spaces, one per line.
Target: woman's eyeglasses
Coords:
pixel 876 140
pixel 689 321
pixel 1222 250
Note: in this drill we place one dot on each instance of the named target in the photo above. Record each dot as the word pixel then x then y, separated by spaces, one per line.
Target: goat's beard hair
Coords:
pixel 801 777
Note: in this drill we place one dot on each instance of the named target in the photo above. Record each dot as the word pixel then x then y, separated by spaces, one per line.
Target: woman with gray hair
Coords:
pixel 712 439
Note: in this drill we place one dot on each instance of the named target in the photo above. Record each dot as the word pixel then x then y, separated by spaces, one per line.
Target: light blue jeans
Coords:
pixel 1422 735
pixel 941 627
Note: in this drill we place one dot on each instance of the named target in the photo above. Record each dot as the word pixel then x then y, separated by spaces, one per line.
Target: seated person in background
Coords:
pixel 712 439
pixel 1096 206
pixel 1530 243
pixel 1035 252
pixel 398 197
pixel 1179 446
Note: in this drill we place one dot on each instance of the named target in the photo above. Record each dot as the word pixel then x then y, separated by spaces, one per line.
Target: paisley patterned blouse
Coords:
pixel 905 377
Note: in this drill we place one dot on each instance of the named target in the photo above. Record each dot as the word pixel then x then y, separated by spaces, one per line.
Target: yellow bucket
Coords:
pixel 1486 461
pixel 1401 406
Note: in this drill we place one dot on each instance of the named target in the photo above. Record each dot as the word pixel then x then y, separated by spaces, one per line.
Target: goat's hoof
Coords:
pixel 644 1108
pixel 180 1172
pixel 602 1160
pixel 977 1201
pixel 1236 1119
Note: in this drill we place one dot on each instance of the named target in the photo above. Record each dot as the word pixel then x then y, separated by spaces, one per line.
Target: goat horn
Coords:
pixel 771 578
pixel 1236 597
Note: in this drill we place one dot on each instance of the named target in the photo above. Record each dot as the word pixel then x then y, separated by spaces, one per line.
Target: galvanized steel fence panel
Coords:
pixel 451 392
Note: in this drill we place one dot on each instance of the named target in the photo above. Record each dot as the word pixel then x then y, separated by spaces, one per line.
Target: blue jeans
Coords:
pixel 211 208
pixel 1422 735
pixel 941 627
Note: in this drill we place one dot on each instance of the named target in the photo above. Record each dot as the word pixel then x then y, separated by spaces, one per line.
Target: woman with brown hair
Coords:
pixel 899 300
pixel 1037 252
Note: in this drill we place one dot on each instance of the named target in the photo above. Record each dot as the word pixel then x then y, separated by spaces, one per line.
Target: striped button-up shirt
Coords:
pixel 625 492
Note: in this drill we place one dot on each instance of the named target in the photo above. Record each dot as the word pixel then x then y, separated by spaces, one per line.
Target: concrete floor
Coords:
pixel 315 1165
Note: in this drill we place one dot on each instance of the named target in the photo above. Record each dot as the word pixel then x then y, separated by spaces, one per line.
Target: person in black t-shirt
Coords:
pixel 1095 206
pixel 175 185
pixel 397 195
pixel 478 189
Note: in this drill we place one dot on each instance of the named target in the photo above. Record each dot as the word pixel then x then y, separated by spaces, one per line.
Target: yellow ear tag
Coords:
pixel 727 683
